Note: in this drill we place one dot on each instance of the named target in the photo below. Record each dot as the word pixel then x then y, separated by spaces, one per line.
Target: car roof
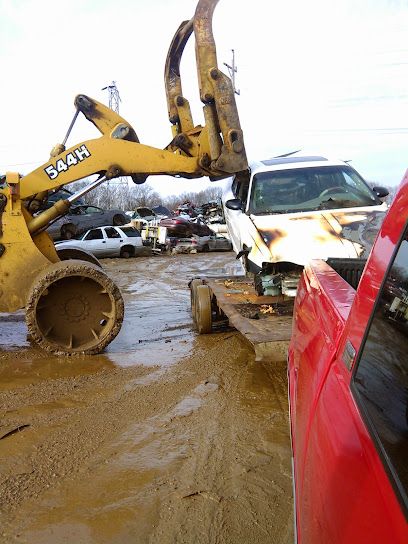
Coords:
pixel 286 163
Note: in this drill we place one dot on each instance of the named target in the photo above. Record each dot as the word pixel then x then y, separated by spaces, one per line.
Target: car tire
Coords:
pixel 206 248
pixel 68 232
pixel 127 252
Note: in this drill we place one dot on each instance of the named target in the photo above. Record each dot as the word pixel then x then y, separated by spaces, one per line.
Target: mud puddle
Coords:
pixel 157 303
pixel 157 328
pixel 167 437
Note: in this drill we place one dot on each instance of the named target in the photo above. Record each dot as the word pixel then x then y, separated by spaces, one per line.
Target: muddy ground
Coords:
pixel 168 437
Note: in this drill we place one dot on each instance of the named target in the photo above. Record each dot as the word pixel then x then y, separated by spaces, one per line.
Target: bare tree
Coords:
pixel 127 196
pixel 211 194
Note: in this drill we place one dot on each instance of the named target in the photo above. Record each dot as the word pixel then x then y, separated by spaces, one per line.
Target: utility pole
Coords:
pixel 114 97
pixel 232 71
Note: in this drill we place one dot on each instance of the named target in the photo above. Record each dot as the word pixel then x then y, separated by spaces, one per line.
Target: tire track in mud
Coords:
pixel 237 482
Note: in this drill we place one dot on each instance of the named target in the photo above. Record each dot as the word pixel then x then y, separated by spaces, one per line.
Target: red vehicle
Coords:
pixel 348 389
pixel 184 228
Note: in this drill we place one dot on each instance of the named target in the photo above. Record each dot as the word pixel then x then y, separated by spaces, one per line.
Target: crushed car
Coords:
pixel 285 211
pixel 197 244
pixel 181 227
pixel 81 218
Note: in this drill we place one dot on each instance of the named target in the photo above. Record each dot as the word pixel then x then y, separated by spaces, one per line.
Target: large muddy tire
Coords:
pixel 74 307
pixel 203 310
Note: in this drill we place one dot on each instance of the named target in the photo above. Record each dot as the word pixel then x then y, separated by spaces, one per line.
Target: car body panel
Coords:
pixel 298 237
pixel 345 491
pixel 105 246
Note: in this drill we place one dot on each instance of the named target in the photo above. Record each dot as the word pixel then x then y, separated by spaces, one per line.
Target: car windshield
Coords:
pixel 309 189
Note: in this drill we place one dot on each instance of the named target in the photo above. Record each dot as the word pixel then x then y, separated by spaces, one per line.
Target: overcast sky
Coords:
pixel 323 76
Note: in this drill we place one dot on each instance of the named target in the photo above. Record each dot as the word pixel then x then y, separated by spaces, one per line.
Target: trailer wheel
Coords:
pixel 203 317
pixel 193 295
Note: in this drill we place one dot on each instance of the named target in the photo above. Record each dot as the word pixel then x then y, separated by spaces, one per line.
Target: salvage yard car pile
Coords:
pixel 149 229
pixel 190 229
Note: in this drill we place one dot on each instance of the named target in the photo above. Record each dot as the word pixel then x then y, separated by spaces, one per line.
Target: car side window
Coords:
pixel 380 381
pixel 95 234
pixel 235 186
pixel 112 233
pixel 131 232
pixel 93 209
pixel 243 191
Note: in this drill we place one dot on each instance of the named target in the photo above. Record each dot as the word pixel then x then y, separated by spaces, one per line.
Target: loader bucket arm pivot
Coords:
pixel 110 123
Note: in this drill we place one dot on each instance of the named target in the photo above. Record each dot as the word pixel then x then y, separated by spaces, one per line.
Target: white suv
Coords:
pixel 107 241
pixel 288 210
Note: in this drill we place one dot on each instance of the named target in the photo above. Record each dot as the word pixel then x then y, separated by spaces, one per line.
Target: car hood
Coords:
pixel 68 243
pixel 300 237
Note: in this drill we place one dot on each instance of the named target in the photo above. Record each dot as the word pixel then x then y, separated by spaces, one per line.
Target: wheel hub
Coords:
pixel 75 309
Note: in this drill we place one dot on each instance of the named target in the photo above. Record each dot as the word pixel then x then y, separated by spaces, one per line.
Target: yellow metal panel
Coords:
pixel 21 261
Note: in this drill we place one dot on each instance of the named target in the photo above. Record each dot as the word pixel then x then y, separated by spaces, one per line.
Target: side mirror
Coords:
pixel 234 204
pixel 381 192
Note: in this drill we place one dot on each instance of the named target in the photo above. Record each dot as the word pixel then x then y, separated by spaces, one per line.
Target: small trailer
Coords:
pixel 264 321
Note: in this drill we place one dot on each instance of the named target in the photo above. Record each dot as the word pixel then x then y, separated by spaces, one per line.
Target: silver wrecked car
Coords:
pixel 83 217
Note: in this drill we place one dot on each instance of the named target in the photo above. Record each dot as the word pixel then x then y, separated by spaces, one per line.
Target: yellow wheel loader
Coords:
pixel 71 305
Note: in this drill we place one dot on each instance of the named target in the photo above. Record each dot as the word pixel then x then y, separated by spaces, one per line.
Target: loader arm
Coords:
pixel 215 150
pixel 75 308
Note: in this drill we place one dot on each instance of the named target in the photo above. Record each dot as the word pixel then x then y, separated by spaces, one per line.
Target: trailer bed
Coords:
pixel 264 321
